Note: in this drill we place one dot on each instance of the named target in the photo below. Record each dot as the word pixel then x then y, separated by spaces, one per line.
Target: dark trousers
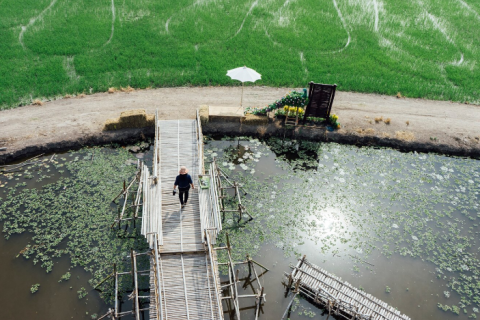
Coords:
pixel 183 195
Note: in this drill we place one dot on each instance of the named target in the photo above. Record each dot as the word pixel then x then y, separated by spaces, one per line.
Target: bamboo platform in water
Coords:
pixel 339 297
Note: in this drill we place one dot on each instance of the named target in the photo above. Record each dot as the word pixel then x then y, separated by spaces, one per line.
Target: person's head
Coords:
pixel 183 170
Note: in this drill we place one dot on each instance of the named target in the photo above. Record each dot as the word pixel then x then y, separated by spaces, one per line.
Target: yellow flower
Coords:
pixel 286 108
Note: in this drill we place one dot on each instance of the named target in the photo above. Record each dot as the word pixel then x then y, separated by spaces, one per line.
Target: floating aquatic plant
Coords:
pixel 35 288
pixel 71 217
pixel 414 205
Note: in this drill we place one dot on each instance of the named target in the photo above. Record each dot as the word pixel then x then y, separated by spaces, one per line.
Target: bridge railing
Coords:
pixel 210 214
pixel 152 195
pixel 157 279
pixel 201 167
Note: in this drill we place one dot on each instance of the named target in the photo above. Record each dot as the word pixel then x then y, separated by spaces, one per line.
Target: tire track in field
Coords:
pixel 254 4
pixel 438 26
pixel 32 21
pixel 302 61
pixel 375 8
pixel 166 23
pixel 113 24
pixel 470 9
pixel 197 2
pixel 344 26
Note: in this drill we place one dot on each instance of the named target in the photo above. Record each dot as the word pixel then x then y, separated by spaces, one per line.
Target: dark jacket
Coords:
pixel 183 181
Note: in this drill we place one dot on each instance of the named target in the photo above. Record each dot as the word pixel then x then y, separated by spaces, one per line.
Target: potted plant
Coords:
pixel 313 121
pixel 333 120
pixel 280 114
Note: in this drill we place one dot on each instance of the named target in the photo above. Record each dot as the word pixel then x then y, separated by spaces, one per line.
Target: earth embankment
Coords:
pixel 368 119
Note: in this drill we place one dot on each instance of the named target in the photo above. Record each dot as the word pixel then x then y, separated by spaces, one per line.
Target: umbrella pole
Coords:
pixel 241 99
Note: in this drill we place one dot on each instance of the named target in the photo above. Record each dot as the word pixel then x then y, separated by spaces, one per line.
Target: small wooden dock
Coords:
pixel 339 297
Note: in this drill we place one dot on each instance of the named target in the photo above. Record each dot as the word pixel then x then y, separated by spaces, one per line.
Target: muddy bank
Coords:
pixel 219 129
pixel 440 126
pixel 123 137
pixel 321 133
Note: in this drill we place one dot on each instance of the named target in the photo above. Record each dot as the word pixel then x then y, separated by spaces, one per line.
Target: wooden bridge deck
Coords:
pixel 188 283
pixel 178 147
pixel 338 296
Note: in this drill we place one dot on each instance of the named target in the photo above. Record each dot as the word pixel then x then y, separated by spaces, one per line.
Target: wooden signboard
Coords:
pixel 320 100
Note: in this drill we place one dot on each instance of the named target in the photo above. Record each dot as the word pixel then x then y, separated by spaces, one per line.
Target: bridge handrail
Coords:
pixel 201 166
pixel 158 182
pixel 152 194
pixel 158 287
pixel 214 196
pixel 209 212
pixel 214 276
pixel 201 171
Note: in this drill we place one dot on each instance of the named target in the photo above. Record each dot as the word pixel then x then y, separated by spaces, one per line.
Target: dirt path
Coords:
pixel 434 122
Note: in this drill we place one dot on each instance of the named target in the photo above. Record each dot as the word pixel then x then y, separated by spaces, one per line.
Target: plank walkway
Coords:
pixel 338 296
pixel 187 286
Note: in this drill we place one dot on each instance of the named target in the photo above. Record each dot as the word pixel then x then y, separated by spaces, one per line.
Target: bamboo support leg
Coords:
pixel 289 307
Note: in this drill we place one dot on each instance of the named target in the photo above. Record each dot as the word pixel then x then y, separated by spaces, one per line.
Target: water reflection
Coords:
pixel 376 217
pixel 326 222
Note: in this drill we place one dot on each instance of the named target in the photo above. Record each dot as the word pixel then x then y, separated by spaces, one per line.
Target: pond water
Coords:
pixel 382 220
pixel 402 226
pixel 56 216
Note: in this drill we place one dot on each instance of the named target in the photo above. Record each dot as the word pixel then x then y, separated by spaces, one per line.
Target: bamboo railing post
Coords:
pixel 131 259
pixel 259 303
pixel 239 211
pixel 135 283
pixel 220 188
pixel 159 288
pixel 228 241
pixel 289 307
pixel 297 285
pixel 116 290
pixel 217 295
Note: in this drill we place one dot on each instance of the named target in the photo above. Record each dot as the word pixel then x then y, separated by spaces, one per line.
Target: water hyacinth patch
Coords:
pixel 355 201
pixel 70 215
pixel 35 288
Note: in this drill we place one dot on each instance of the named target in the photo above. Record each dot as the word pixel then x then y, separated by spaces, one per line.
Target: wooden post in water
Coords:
pixel 259 303
pixel 116 290
pixel 289 307
pixel 131 259
pixel 135 278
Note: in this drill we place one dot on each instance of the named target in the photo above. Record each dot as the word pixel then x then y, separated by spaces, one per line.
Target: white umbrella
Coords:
pixel 244 74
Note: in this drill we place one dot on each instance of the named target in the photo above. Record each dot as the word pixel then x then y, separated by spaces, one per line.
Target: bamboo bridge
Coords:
pixel 183 274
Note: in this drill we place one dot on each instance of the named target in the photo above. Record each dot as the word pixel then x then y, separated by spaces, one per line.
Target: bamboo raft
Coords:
pixel 339 297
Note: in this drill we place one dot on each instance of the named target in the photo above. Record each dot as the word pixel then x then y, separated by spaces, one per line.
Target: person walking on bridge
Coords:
pixel 183 181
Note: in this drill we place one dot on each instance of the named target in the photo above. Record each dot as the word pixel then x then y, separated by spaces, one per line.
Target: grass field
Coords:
pixel 420 48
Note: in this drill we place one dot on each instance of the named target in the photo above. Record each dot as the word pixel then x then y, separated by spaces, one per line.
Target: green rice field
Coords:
pixel 420 48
